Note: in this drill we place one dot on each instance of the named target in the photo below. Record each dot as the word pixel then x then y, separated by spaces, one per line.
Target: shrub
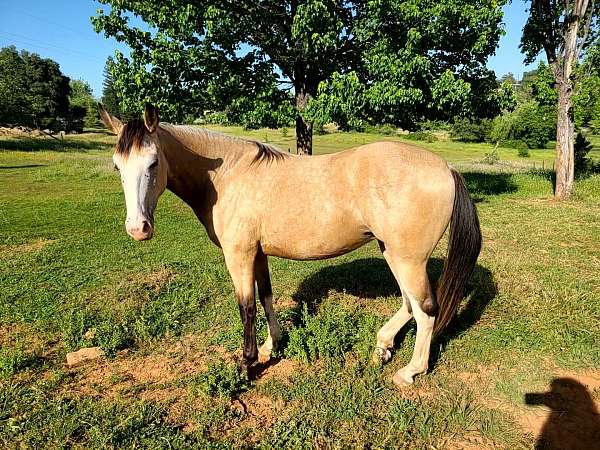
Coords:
pixel 284 132
pixel 386 129
pixel 582 147
pixel 501 129
pixel 466 130
pixel 223 379
pixel 217 118
pixel 434 125
pixel 523 152
pixel 421 136
pixel 328 334
pixel 492 157
pixel 535 125
pixel 530 123
pixel 514 143
pixel 319 129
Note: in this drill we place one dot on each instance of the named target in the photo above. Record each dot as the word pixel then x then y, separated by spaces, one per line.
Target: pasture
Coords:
pixel 520 360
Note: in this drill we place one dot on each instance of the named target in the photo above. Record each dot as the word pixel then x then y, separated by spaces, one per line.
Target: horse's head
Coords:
pixel 142 166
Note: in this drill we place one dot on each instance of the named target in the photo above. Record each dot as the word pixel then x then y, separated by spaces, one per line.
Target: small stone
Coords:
pixel 84 355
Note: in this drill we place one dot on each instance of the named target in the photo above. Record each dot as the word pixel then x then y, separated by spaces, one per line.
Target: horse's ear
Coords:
pixel 151 118
pixel 111 122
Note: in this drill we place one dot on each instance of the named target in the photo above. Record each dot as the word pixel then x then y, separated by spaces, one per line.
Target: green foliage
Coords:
pixel 583 164
pixel 357 63
pixel 339 100
pixel 329 334
pixel 466 130
pixel 535 124
pixel 547 26
pixel 83 106
pixel 542 87
pixel 523 152
pixel 163 314
pixel 491 157
pixel 223 379
pixel 33 91
pixel 530 123
pixel 216 118
pixel 421 136
pixel 586 101
pixel 12 360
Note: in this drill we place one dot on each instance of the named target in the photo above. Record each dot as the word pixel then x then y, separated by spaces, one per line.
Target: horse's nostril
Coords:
pixel 145 226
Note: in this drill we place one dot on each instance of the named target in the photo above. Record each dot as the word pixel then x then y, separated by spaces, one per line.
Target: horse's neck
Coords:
pixel 198 161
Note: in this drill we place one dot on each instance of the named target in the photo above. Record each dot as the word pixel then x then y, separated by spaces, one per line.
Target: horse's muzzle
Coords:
pixel 142 231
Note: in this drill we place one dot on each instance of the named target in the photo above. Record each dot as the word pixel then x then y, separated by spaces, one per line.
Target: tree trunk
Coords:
pixel 565 153
pixel 303 129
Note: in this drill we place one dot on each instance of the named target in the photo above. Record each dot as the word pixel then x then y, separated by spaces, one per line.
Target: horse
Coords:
pixel 256 201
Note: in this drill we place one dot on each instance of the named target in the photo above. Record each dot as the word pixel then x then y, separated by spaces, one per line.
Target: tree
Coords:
pixel 586 100
pixel 83 105
pixel 33 91
pixel 563 30
pixel 208 55
pixel 13 89
pixel 110 98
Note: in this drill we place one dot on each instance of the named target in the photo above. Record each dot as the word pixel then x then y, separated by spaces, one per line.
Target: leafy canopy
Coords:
pixel 393 61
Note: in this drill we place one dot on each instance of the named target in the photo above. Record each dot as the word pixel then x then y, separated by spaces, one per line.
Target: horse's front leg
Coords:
pixel 240 263
pixel 265 294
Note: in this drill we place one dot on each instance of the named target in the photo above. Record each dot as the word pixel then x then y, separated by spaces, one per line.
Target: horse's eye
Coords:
pixel 153 165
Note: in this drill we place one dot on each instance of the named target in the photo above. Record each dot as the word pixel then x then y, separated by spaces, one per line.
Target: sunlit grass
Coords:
pixel 163 310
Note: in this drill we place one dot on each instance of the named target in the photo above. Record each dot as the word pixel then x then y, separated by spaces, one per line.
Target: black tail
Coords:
pixel 464 245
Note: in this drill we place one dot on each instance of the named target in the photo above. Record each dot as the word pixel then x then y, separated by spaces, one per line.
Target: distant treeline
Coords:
pixel 35 93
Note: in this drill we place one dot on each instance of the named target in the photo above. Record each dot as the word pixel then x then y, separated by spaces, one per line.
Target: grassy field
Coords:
pixel 521 360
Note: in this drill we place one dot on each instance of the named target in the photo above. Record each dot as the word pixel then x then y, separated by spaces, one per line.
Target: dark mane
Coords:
pixel 132 135
pixel 267 153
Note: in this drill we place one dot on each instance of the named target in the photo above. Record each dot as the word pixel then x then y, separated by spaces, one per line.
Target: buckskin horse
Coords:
pixel 256 201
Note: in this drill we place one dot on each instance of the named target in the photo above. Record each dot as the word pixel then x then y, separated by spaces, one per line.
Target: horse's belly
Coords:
pixel 304 241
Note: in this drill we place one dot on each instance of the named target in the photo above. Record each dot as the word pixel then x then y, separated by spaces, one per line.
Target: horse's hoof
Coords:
pixel 264 357
pixel 381 355
pixel 401 380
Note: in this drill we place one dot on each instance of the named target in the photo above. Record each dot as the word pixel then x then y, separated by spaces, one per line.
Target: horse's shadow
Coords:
pixel 371 278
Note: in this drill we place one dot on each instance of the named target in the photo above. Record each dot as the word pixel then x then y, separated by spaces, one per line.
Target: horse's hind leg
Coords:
pixel 415 285
pixel 265 294
pixel 387 333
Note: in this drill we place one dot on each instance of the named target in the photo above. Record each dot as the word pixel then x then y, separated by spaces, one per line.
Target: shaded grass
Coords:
pixel 70 277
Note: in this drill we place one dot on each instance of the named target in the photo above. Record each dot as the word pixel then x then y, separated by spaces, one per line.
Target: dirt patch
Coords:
pixel 470 442
pixel 153 376
pixel 565 416
pixel 482 375
pixel 280 370
pixel 135 289
pixel 28 247
pixel 257 413
pixel 590 379
pixel 284 303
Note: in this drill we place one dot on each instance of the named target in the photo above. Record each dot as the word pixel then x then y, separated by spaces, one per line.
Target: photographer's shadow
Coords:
pixel 573 423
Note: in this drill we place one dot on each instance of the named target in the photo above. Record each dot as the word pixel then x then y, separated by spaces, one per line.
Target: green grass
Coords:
pixel 163 311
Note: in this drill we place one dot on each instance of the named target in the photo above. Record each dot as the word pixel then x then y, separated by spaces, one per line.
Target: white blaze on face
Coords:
pixel 143 179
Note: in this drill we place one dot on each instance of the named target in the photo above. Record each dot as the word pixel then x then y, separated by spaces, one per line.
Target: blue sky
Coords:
pixel 61 30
